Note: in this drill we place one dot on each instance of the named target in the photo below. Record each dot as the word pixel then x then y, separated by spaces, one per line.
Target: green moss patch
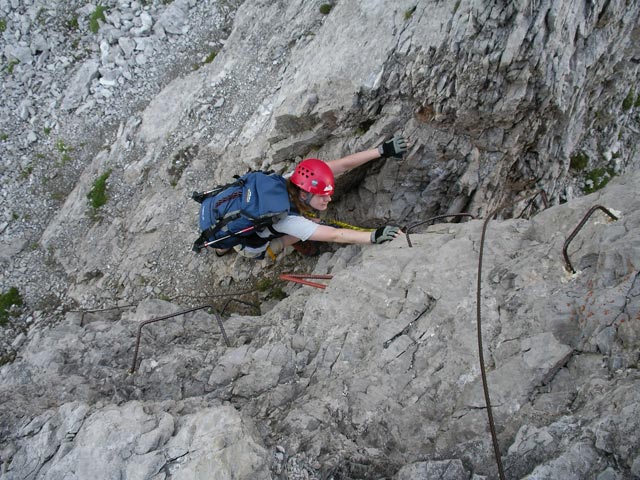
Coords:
pixel 409 13
pixel 98 14
pixel 579 161
pixel 629 100
pixel 98 194
pixel 597 179
pixel 8 300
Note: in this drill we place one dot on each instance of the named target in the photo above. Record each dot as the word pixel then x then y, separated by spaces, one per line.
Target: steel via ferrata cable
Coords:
pixel 483 372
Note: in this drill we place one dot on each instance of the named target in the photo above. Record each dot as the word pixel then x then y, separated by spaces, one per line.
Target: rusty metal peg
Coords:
pixel 302 278
pixel 166 317
pixel 408 228
pixel 577 229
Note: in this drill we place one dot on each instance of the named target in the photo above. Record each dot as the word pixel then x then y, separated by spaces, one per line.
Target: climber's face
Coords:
pixel 317 202
pixel 320 202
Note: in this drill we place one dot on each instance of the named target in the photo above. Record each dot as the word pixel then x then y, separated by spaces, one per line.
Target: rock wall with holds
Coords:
pixel 497 102
pixel 113 114
pixel 377 375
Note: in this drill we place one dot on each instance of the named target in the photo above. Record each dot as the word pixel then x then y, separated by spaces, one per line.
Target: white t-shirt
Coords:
pixel 294 225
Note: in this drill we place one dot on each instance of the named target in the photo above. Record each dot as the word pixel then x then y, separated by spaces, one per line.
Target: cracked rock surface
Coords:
pixel 368 377
pixel 377 376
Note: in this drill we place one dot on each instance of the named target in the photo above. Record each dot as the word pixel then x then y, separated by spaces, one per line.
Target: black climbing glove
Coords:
pixel 384 234
pixel 393 148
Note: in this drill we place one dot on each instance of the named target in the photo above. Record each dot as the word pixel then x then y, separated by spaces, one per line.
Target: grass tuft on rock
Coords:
pixel 98 194
pixel 11 298
pixel 98 14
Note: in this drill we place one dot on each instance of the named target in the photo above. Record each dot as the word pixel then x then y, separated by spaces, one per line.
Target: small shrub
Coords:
pixel 211 57
pixel 579 161
pixel 72 24
pixel 628 101
pixel 278 294
pixel 409 13
pixel 325 8
pixel 98 194
pixel 637 102
pixel 268 287
pixel 12 63
pixel 61 146
pixel 64 149
pixel 8 358
pixel 3 25
pixel 26 172
pixel 8 300
pixel 98 14
pixel 4 137
pixel 264 284
pixel 597 179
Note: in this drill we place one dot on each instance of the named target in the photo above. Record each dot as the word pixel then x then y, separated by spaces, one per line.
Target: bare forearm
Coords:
pixel 352 161
pixel 324 233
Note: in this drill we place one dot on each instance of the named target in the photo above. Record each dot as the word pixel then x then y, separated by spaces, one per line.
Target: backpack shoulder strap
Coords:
pixel 239 181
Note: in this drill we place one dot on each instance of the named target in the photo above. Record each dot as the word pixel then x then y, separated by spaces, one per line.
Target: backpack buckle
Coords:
pixel 198 196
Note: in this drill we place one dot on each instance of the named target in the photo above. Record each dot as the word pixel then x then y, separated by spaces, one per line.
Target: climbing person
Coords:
pixel 310 188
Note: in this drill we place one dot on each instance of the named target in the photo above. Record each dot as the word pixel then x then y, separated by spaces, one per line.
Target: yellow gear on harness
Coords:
pixel 338 223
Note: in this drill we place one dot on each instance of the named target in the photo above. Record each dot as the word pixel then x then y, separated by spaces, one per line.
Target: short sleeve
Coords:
pixel 296 226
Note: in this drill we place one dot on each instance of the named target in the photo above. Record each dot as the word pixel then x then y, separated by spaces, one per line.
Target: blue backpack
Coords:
pixel 232 213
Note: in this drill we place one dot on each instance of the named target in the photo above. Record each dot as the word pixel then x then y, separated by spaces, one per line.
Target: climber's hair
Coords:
pixel 294 197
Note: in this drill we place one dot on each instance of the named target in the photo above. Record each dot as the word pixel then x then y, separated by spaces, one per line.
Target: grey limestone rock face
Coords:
pixel 376 376
pixel 368 377
pixel 496 102
pixel 138 440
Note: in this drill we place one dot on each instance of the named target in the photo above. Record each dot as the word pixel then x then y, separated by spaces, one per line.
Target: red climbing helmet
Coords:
pixel 314 176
